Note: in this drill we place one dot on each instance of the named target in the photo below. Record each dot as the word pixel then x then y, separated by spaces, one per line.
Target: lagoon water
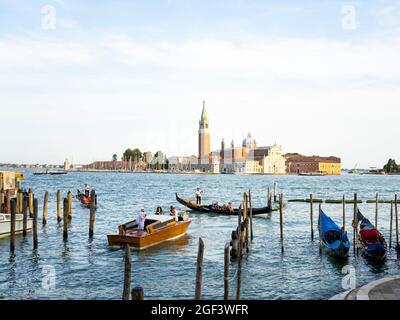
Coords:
pixel 89 269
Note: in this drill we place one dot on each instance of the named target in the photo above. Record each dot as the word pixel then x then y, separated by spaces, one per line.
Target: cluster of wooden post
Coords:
pixel 23 203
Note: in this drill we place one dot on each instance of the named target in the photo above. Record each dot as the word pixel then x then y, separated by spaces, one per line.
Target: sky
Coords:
pixel 86 79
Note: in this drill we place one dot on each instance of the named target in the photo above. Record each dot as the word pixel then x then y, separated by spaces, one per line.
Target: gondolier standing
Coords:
pixel 86 190
pixel 198 195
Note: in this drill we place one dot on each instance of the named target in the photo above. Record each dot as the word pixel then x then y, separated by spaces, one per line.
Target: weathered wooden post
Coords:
pixel 355 225
pixel 34 223
pixel 239 270
pixel 12 224
pixel 137 293
pixel 92 213
pixel 45 207
pixel 30 193
pixel 320 228
pixel 65 219
pixel 59 214
pixel 275 195
pixel 397 224
pixel 69 205
pixel 20 201
pixel 2 199
pixel 199 270
pixel 312 217
pixel 281 220
pixel 251 217
pixel 8 202
pixel 25 216
pixel 391 224
pixel 127 273
pixel 226 272
pixel 376 210
pixel 246 222
pixel 344 213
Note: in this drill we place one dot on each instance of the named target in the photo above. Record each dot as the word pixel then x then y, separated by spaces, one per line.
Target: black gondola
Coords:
pixel 218 209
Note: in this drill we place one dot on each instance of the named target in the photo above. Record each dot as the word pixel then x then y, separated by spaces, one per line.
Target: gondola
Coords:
pixel 334 240
pixel 85 201
pixel 217 209
pixel 372 242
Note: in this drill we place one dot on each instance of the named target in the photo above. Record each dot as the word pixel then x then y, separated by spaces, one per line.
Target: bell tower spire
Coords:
pixel 204 137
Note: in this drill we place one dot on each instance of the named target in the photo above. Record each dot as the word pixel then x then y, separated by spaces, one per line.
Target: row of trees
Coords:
pixel 391 166
pixel 135 155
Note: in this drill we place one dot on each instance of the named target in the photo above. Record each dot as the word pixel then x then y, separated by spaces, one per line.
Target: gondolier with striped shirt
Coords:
pixel 199 192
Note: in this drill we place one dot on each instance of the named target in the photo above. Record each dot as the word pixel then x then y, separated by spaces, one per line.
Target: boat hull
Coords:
pixel 5 226
pixel 208 209
pixel 146 240
pixel 340 253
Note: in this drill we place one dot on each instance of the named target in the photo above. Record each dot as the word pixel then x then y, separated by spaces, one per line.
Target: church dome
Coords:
pixel 249 142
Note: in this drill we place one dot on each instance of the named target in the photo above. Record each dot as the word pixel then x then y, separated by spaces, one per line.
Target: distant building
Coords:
pixel 204 138
pixel 297 163
pixel 182 163
pixel 67 165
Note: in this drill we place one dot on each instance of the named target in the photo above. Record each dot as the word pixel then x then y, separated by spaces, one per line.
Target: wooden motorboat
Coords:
pixel 217 209
pixel 5 224
pixel 58 172
pixel 334 240
pixel 157 229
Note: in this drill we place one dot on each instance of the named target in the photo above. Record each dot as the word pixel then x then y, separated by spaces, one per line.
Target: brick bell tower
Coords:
pixel 204 137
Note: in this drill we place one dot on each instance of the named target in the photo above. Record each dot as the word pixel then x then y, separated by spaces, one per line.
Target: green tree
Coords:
pixel 133 155
pixel 391 166
pixel 114 157
pixel 137 154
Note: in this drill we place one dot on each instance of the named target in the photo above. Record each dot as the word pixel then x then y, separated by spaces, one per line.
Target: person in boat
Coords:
pixel 159 211
pixel 141 219
pixel 86 190
pixel 175 214
pixel 229 207
pixel 199 193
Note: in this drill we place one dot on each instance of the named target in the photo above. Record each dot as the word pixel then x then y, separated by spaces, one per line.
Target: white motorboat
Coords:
pixel 5 224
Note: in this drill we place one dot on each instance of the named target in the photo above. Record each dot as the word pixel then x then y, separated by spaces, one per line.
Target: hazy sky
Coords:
pixel 86 79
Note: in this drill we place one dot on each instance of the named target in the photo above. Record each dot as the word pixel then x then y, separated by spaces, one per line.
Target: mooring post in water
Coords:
pixel 25 216
pixel 35 223
pixel 226 271
pixel 344 213
pixel 246 222
pixel 281 221
pixel 199 270
pixel 355 225
pixel 312 217
pixel 2 197
pixel 12 224
pixel 391 225
pixel 376 210
pixel 8 201
pixel 137 293
pixel 65 219
pixel 92 213
pixel 69 205
pixel 239 270
pixel 251 217
pixel 397 224
pixel 20 201
pixel 45 207
pixel 59 214
pixel 275 195
pixel 30 193
pixel 319 228
pixel 127 273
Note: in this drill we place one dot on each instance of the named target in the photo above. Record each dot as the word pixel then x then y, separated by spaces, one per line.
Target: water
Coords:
pixel 89 269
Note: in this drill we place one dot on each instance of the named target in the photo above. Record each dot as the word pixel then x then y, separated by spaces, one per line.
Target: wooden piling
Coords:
pixel 246 222
pixel 226 271
pixel 239 270
pixel 376 210
pixel 25 216
pixel 312 217
pixel 355 225
pixel 199 270
pixel 59 214
pixel 319 228
pixel 20 201
pixel 137 293
pixel 397 223
pixel 65 219
pixel 8 202
pixel 45 207
pixel 12 224
pixel 127 273
pixel 69 205
pixel 281 221
pixel 92 213
pixel 2 200
pixel 344 213
pixel 251 217
pixel 391 225
pixel 275 195
pixel 34 223
pixel 30 193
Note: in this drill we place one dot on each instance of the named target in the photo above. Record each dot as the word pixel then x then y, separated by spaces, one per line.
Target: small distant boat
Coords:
pixel 57 172
pixel 372 242
pixel 217 209
pixel 158 229
pixel 39 173
pixel 312 174
pixel 334 240
pixel 5 224
pixel 86 200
